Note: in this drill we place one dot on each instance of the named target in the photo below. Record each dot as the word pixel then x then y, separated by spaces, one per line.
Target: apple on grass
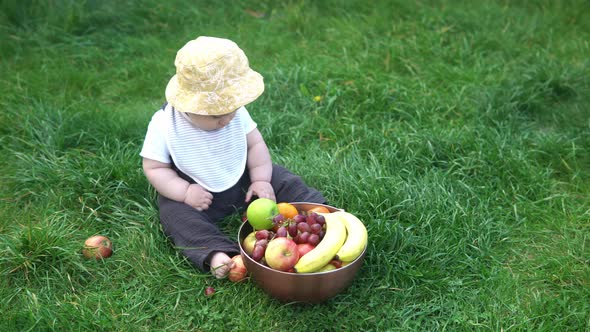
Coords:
pixel 238 272
pixel 281 254
pixel 97 247
pixel 304 248
pixel 209 291
pixel 260 213
pixel 249 242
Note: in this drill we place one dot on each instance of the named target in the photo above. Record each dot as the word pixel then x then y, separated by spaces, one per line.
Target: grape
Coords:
pixel 321 234
pixel 209 291
pixel 313 239
pixel 297 238
pixel 311 218
pixel 258 253
pixel 316 228
pixel 337 263
pixel 303 237
pixel 278 219
pixel 299 218
pixel 263 243
pixel 320 220
pixel 262 234
pixel 282 231
pixel 303 227
pixel 292 229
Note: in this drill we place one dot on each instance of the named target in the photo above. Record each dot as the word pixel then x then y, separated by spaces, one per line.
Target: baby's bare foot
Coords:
pixel 220 265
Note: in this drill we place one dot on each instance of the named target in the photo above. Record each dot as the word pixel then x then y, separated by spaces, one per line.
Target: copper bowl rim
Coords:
pixel 329 207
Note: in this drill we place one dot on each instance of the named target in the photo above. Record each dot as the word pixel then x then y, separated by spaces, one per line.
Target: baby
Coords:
pixel 205 156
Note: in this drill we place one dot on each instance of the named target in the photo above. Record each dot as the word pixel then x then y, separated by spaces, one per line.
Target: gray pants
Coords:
pixel 197 234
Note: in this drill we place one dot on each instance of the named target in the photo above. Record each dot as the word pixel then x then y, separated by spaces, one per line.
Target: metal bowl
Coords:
pixel 299 287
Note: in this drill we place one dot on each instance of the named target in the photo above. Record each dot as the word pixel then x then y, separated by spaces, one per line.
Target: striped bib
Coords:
pixel 215 159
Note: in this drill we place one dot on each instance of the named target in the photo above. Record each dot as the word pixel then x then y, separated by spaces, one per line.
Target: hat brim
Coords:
pixel 239 92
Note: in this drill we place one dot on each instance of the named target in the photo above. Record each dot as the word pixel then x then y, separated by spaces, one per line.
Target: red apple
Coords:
pixel 281 254
pixel 239 271
pixel 97 247
pixel 304 248
pixel 249 242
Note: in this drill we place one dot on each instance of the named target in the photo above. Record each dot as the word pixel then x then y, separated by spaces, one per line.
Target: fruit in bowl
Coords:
pixel 320 237
pixel 314 279
pixel 281 254
pixel 249 242
pixel 261 212
pixel 304 248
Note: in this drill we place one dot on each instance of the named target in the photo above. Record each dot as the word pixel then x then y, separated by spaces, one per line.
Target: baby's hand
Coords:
pixel 262 189
pixel 220 265
pixel 197 197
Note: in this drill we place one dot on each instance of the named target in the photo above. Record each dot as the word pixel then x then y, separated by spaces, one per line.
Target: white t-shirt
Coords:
pixel 215 159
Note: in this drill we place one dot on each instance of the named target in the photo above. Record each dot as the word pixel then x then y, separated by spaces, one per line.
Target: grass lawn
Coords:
pixel 458 131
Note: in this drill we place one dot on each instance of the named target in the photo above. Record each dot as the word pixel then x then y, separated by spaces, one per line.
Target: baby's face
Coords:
pixel 210 122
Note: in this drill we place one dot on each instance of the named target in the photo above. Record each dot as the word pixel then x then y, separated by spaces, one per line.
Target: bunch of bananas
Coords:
pixel 345 239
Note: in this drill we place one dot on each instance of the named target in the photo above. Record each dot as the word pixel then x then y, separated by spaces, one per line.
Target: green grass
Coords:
pixel 459 132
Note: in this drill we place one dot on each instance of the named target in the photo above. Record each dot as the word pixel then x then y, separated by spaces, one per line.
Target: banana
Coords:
pixel 355 241
pixel 324 252
pixel 326 268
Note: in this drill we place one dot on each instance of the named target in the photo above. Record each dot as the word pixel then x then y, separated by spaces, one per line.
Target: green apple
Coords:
pixel 260 213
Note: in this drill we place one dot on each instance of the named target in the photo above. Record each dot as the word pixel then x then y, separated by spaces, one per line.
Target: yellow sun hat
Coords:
pixel 213 77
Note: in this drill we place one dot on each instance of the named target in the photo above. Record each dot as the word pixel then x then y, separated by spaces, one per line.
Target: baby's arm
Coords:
pixel 169 184
pixel 259 167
